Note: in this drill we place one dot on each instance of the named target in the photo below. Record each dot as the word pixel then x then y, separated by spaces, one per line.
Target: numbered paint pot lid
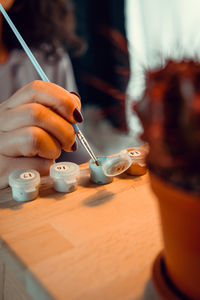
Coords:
pixel 137 153
pixel 64 170
pixel 24 178
pixel 117 164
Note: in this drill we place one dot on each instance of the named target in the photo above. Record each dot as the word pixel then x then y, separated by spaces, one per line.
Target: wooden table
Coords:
pixel 98 242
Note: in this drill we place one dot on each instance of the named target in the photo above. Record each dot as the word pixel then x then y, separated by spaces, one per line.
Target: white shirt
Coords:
pixel 19 71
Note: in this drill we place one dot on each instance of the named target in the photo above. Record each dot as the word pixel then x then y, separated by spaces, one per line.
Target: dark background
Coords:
pixel 102 72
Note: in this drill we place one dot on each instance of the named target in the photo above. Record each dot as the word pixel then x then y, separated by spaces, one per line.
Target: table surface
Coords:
pixel 98 242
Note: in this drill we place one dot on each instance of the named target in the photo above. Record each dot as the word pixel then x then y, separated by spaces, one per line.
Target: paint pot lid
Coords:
pixel 63 170
pixel 137 153
pixel 24 178
pixel 117 164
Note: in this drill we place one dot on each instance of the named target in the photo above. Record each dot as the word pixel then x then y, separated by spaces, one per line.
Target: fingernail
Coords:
pixel 76 94
pixel 74 146
pixel 78 115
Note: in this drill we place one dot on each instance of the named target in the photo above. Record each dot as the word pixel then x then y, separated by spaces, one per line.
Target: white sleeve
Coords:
pixel 63 73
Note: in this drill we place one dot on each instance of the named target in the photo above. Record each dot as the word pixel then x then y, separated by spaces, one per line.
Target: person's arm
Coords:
pixel 35 125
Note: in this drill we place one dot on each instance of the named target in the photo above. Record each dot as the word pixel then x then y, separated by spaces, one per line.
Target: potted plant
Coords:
pixel 170 114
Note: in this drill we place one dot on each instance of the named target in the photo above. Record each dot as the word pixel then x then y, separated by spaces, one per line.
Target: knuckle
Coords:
pixel 35 137
pixel 33 140
pixel 35 112
pixel 35 84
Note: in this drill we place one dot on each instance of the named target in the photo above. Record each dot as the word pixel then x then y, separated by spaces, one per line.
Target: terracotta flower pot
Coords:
pixel 180 220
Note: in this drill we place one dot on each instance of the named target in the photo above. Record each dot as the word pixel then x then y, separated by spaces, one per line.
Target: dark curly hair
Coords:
pixel 41 22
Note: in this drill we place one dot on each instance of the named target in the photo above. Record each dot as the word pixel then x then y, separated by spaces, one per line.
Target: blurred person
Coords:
pixel 36 116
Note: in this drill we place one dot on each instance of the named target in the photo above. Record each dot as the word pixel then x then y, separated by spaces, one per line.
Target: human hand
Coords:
pixel 35 124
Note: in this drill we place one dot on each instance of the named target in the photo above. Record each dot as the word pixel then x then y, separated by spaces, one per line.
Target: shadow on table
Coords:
pixel 100 197
pixel 6 200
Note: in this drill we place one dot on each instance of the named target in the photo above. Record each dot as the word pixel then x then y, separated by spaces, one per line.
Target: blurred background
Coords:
pixel 123 39
pixel 103 72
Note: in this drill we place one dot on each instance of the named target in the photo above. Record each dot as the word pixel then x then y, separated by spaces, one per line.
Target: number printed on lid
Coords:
pixel 27 175
pixel 135 153
pixel 62 168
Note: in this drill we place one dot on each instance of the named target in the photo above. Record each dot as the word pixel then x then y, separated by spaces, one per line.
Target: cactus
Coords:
pixel 170 114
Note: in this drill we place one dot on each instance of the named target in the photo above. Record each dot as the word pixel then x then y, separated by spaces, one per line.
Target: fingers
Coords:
pixel 29 142
pixel 35 123
pixel 47 94
pixel 35 114
pixel 9 165
pixel 77 98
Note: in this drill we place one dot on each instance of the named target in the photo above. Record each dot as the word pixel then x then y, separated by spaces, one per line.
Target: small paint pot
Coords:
pixel 96 172
pixel 24 184
pixel 138 157
pixel 117 164
pixel 65 176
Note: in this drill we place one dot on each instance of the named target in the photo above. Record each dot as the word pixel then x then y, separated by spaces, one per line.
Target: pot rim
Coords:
pixel 160 183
